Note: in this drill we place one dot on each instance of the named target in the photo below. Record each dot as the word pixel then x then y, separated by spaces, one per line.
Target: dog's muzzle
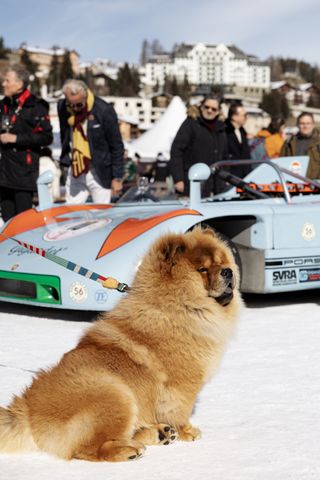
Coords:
pixel 227 295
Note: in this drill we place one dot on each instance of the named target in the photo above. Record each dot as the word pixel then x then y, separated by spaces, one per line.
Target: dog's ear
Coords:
pixel 172 248
pixel 209 231
pixel 205 229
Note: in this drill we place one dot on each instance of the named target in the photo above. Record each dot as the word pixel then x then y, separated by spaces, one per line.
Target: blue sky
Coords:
pixel 115 29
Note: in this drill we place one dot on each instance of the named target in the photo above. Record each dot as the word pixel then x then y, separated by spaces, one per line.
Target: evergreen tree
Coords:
pixel 185 89
pixel 284 107
pixel 112 86
pixel 311 73
pixel 3 49
pixel 54 77
pixel 166 84
pixel 280 66
pixel 128 82
pixel 275 104
pixel 307 71
pixel 289 65
pixel 276 68
pixel 87 77
pixel 174 86
pixel 32 68
pixel 29 64
pixel 66 67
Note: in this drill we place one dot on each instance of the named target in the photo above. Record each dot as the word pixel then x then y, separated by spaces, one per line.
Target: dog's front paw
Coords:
pixel 167 434
pixel 158 434
pixel 188 433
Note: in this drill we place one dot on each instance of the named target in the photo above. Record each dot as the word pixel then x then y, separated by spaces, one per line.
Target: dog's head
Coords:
pixel 200 259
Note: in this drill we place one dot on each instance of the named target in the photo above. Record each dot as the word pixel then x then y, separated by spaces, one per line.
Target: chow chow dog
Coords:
pixel 134 376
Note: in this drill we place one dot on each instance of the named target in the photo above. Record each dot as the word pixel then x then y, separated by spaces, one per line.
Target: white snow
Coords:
pixel 259 415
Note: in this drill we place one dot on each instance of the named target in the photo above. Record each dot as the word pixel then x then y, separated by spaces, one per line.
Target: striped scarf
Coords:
pixel 81 155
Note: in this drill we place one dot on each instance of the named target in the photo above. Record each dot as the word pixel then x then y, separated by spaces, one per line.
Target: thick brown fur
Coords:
pixel 134 377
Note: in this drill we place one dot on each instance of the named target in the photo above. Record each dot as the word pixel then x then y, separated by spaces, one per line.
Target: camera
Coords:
pixel 5 123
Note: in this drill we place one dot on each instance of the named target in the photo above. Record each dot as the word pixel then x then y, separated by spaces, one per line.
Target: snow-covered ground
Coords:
pixel 260 416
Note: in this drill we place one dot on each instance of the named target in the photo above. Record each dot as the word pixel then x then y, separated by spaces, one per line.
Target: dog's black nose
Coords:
pixel 226 273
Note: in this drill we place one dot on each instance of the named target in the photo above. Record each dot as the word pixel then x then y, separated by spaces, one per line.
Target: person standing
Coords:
pixel 238 147
pixel 92 147
pixel 160 171
pixel 25 128
pixel 305 142
pixel 268 142
pixel 274 136
pixel 200 138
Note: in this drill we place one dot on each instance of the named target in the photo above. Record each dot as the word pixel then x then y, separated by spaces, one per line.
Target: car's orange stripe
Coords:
pixel 133 227
pixel 32 218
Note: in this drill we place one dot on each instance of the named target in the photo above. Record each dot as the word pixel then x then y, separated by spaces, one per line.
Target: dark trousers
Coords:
pixel 14 201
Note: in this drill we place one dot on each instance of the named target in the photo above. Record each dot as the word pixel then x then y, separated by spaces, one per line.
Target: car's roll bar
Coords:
pixel 280 171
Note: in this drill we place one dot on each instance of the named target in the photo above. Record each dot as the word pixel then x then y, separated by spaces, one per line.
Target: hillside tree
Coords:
pixel 32 67
pixel 127 83
pixel 275 104
pixel 3 49
pixel 28 63
pixel 66 70
pixel 54 77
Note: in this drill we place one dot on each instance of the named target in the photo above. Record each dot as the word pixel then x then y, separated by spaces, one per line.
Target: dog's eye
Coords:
pixel 202 270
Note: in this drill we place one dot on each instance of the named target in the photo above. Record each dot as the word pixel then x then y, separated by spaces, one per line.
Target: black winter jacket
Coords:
pixel 19 163
pixel 194 143
pixel 237 150
pixel 104 138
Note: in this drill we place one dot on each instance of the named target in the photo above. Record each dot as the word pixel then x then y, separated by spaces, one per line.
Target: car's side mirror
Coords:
pixel 197 174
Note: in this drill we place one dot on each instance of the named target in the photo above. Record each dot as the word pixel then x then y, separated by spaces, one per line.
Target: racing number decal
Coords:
pixel 308 231
pixel 78 292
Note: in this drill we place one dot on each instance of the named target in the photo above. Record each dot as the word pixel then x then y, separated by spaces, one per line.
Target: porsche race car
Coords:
pixel 65 256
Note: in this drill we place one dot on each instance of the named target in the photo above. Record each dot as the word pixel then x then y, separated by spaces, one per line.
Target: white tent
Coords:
pixel 159 138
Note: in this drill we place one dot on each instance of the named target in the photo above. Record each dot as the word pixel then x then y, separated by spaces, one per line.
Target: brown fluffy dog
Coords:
pixel 134 376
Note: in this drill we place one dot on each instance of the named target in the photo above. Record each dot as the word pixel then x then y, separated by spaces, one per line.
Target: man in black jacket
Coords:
pixel 25 128
pixel 92 147
pixel 238 147
pixel 201 138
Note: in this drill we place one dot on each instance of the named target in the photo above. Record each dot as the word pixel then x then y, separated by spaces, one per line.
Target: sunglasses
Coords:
pixel 76 106
pixel 213 109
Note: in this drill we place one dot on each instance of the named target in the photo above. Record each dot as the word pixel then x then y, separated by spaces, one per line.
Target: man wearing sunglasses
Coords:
pixel 92 147
pixel 201 138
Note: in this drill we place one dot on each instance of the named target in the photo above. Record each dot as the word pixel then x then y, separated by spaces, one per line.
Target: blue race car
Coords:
pixel 65 256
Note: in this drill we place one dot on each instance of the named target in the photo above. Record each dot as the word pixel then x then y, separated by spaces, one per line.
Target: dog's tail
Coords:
pixel 15 433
